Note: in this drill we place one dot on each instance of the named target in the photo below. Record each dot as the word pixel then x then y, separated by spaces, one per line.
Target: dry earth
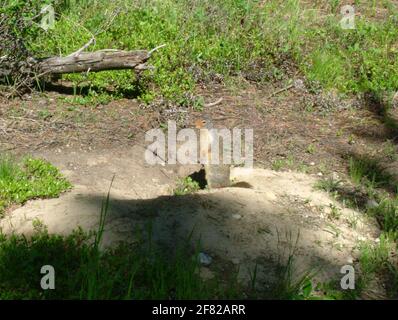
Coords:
pixel 315 134
pixel 236 226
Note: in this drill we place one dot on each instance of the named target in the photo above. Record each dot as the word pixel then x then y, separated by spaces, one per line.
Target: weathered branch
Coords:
pixel 77 52
pixel 94 61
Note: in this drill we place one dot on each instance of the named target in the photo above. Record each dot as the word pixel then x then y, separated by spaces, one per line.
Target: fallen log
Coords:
pixel 107 59
pixel 95 61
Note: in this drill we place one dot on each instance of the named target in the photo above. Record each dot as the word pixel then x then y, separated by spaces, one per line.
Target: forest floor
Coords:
pixel 300 138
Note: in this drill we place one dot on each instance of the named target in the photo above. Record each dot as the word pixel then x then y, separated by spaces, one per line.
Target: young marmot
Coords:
pixel 217 175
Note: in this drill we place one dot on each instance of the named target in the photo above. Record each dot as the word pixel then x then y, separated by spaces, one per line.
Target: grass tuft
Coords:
pixel 30 179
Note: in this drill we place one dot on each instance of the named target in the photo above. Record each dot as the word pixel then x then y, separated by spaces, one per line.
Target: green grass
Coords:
pixel 228 39
pixel 30 179
pixel 367 171
pixel 82 271
pixel 377 259
pixel 387 215
pixel 280 164
pixel 375 262
pixel 140 271
pixel 290 287
pixel 329 184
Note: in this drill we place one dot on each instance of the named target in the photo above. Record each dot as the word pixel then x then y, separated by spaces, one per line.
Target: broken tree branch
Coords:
pixel 94 61
pixel 281 90
pixel 107 59
pixel 77 52
pixel 156 49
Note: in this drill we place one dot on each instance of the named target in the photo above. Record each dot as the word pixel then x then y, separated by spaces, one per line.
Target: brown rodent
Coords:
pixel 217 175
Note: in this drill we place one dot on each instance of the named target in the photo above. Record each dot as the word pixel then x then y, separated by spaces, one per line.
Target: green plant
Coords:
pixel 32 178
pixel 212 46
pixel 288 284
pixel 283 163
pixel 367 169
pixel 353 221
pixel 311 149
pixel 186 186
pixel 329 184
pixel 374 256
pixel 334 213
pixel 387 215
pixel 389 150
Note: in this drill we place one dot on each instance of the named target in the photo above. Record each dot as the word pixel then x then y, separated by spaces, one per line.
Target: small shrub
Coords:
pixel 186 186
pixel 33 178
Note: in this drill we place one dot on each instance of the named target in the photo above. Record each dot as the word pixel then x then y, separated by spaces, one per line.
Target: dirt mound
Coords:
pixel 239 226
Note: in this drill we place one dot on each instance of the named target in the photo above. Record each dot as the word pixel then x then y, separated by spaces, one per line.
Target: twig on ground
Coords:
pixel 79 51
pixel 212 104
pixel 155 49
pixel 281 90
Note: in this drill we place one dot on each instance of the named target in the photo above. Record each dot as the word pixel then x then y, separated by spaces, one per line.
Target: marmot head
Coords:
pixel 203 123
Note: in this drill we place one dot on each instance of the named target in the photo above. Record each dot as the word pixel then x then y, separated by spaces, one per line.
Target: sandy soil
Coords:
pixel 236 226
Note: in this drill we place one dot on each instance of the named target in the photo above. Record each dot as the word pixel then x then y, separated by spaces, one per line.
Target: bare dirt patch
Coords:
pixel 239 226
pixel 294 131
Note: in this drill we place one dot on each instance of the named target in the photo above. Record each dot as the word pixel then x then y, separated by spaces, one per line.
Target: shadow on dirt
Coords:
pixel 382 109
pixel 171 220
pixel 84 90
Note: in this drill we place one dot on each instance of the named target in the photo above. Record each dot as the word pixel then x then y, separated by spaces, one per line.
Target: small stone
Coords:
pixel 320 174
pixel 312 163
pixel 237 216
pixel 205 259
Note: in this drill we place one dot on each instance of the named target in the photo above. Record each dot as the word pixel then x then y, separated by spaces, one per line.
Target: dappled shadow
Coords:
pixel 380 108
pixel 373 170
pixel 351 197
pixel 67 88
pixel 209 219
